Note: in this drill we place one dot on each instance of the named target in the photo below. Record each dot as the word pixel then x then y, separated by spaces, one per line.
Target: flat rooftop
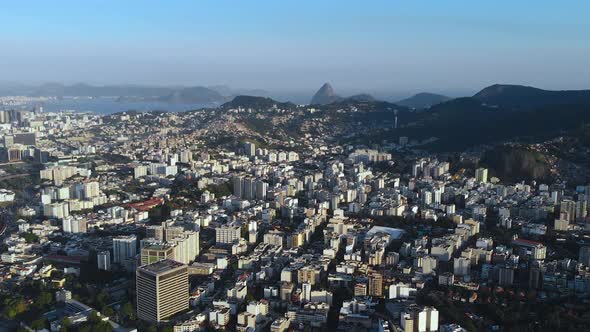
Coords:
pixel 162 266
pixel 157 246
pixel 395 233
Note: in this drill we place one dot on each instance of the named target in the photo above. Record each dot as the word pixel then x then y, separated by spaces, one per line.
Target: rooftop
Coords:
pixel 526 243
pixel 161 266
pixel 395 233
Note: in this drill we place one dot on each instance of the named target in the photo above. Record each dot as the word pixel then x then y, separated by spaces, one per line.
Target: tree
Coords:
pixel 30 237
pixel 167 328
pixel 102 327
pixel 13 307
pixel 128 311
pixel 65 324
pixel 102 299
pixel 107 311
pixel 94 318
pixel 39 324
pixel 43 299
pixel 249 298
pixel 85 328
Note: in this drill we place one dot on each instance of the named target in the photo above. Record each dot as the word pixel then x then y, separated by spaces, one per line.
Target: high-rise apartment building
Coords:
pixel 250 149
pixel 156 252
pixel 376 284
pixel 124 247
pixel 421 320
pixel 74 225
pixel 227 234
pixel 139 171
pixel 481 175
pixel 103 260
pixel 162 290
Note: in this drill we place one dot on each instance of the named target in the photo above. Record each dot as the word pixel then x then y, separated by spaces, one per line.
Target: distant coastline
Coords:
pixel 108 105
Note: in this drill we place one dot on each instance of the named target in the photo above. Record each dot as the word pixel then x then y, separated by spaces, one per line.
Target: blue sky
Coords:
pixel 376 46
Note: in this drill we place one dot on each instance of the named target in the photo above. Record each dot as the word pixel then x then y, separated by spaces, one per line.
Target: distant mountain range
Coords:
pixel 196 95
pixel 422 100
pixel 190 95
pixel 504 97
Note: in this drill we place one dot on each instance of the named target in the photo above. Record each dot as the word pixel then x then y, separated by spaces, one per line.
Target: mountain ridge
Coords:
pixel 521 97
pixel 255 102
pixel 422 100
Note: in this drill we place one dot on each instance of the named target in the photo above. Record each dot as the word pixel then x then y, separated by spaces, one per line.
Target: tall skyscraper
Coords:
pixel 162 290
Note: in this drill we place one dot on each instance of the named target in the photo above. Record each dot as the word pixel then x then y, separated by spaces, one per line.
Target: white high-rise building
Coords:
pixel 140 171
pixel 421 320
pixel 186 156
pixel 186 247
pixel 481 175
pixel 306 291
pixel 428 320
pixel 124 247
pixel 103 259
pixel 58 210
pixel 250 149
pixel 227 234
pixel 261 190
pixel 74 225
pixel 91 189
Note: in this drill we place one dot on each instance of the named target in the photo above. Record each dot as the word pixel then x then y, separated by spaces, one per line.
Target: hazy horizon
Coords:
pixel 384 48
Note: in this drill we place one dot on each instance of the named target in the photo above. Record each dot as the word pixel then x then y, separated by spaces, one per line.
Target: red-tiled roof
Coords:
pixel 525 242
pixel 146 205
